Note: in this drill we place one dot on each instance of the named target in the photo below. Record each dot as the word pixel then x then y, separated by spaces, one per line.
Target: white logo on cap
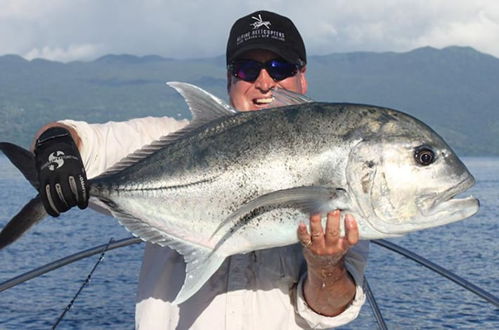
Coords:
pixel 259 22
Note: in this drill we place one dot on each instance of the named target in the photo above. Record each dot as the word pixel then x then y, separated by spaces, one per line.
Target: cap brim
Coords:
pixel 289 56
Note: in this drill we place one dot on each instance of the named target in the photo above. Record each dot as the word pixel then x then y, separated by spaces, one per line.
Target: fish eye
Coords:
pixel 424 155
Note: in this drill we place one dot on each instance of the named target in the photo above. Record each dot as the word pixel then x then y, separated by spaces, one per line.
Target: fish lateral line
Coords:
pixel 174 187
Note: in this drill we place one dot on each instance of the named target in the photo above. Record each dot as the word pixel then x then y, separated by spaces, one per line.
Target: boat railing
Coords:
pixel 370 297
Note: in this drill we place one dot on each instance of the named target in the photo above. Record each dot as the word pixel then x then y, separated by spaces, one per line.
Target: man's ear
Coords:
pixel 229 81
pixel 303 80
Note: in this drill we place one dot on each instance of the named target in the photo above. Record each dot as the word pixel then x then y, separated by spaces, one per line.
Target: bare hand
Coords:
pixel 328 242
pixel 328 288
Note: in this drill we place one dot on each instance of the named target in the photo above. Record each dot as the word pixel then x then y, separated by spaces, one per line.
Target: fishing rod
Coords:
pixel 85 283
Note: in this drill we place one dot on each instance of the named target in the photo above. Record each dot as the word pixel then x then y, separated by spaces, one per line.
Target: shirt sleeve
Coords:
pixel 355 262
pixel 105 144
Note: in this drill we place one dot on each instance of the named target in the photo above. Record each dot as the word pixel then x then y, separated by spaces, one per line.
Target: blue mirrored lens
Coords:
pixel 248 70
pixel 280 70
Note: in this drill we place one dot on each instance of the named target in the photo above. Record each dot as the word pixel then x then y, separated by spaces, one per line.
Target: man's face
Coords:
pixel 256 95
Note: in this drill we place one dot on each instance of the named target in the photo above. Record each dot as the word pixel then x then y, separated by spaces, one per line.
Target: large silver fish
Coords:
pixel 235 182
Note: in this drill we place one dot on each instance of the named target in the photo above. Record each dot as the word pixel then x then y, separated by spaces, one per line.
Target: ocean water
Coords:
pixel 409 295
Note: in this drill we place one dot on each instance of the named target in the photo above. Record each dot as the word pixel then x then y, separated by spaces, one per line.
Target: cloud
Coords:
pixel 401 25
pixel 85 29
pixel 480 30
pixel 71 53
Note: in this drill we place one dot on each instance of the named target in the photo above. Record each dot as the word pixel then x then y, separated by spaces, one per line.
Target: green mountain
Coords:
pixel 454 90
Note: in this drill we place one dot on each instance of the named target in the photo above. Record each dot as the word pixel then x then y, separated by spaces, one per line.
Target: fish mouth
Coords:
pixel 446 208
pixel 437 211
pixel 436 203
pixel 455 208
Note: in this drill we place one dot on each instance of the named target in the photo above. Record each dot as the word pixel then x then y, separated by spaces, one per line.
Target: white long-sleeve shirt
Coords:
pixel 258 290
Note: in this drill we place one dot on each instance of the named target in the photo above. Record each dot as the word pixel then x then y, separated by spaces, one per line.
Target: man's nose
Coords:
pixel 264 81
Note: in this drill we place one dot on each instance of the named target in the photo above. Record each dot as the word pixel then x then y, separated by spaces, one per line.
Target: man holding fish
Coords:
pixel 315 285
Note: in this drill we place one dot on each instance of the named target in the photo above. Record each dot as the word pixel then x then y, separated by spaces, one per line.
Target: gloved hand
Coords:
pixel 63 182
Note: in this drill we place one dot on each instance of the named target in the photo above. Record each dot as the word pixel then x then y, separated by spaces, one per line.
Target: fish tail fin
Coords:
pixel 23 159
pixel 33 211
pixel 29 215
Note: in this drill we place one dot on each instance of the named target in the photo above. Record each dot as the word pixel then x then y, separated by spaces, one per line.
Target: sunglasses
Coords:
pixel 249 70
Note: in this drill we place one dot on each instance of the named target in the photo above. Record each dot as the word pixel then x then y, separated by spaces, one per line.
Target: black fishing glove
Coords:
pixel 63 182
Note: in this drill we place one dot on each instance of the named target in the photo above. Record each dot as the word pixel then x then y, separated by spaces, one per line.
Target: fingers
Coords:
pixel 315 238
pixel 46 194
pixel 79 189
pixel 61 194
pixel 67 194
pixel 304 236
pixel 333 227
pixel 316 231
pixel 329 239
pixel 351 230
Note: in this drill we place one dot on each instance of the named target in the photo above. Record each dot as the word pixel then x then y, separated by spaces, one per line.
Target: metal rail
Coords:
pixel 66 260
pixel 133 240
pixel 374 306
pixel 440 270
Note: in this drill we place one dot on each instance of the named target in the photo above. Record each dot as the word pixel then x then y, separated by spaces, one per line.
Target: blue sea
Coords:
pixel 409 295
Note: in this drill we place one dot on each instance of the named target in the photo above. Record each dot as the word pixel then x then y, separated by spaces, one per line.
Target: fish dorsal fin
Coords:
pixel 204 107
pixel 283 97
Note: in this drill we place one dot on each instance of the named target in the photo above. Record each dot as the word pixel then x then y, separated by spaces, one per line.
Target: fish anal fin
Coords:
pixel 201 261
pixel 201 264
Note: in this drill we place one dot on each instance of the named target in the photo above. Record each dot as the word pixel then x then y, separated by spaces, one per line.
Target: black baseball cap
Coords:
pixel 266 30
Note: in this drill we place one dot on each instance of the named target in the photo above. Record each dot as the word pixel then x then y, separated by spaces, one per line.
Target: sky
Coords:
pixel 68 30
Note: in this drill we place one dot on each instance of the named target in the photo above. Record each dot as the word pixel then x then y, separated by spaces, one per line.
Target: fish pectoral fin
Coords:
pixel 308 199
pixel 29 215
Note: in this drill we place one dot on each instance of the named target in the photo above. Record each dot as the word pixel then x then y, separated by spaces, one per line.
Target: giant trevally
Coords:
pixel 233 182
